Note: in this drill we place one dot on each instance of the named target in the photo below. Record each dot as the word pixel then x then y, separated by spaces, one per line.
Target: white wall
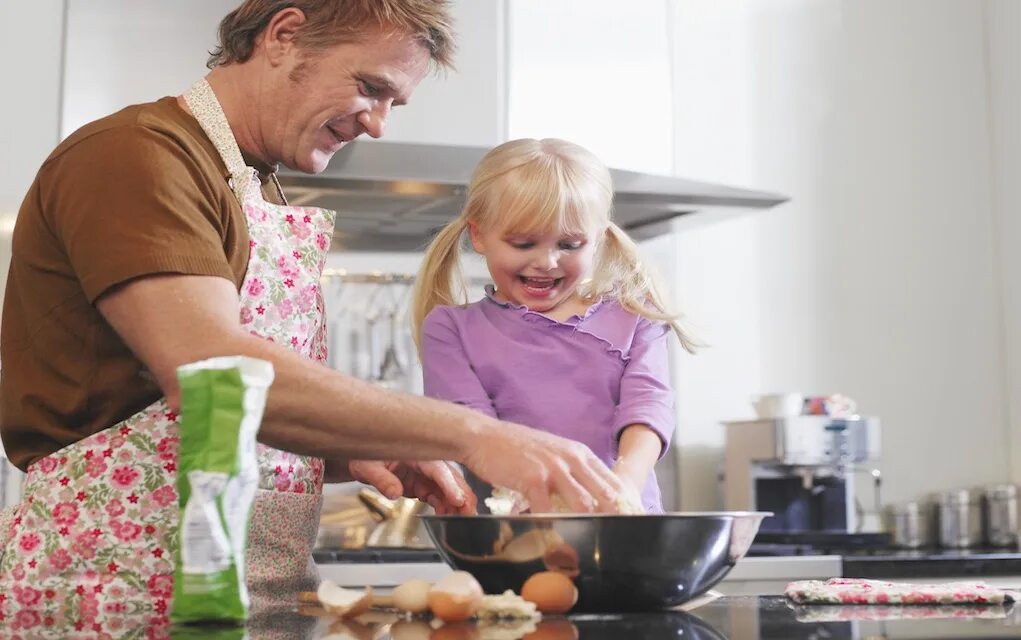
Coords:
pixel 30 35
pixel 1003 38
pixel 878 280
pixel 30 43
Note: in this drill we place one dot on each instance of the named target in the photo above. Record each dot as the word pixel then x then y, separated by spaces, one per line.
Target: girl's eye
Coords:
pixel 572 246
pixel 522 245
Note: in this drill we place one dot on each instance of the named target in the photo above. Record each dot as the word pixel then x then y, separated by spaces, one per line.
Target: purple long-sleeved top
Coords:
pixel 586 378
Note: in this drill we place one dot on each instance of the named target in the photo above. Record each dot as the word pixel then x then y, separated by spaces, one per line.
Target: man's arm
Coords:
pixel 313 410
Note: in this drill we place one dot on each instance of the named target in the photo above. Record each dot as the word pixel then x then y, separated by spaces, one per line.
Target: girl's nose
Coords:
pixel 548 260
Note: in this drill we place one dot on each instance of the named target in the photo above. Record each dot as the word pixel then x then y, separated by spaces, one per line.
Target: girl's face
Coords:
pixel 538 270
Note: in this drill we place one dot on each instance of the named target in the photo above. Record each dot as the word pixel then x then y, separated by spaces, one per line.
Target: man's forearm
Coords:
pixel 314 410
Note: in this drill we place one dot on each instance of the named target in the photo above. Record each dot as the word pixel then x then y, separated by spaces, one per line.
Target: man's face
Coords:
pixel 338 94
pixel 540 270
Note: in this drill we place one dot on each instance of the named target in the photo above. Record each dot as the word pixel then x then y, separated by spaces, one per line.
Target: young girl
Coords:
pixel 572 335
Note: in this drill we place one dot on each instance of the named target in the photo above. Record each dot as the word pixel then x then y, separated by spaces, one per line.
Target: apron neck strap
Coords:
pixel 207 110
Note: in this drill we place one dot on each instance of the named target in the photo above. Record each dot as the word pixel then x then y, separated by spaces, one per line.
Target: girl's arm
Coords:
pixel 638 451
pixel 644 422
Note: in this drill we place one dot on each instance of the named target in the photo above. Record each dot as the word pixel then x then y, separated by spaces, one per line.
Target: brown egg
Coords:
pixel 412 596
pixel 455 597
pixel 554 629
pixel 550 591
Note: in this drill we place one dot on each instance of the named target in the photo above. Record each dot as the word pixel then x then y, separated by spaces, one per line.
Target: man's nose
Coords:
pixel 374 120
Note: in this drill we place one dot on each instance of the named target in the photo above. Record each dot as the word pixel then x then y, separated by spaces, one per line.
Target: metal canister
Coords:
pixel 1001 517
pixel 910 524
pixel 960 518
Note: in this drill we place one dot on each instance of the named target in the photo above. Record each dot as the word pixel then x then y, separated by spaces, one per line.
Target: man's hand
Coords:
pixel 436 482
pixel 538 465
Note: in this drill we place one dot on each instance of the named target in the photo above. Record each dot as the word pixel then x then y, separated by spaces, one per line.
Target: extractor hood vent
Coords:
pixel 392 196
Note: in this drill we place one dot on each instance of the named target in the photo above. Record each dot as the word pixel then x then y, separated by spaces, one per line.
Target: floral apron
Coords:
pixel 91 545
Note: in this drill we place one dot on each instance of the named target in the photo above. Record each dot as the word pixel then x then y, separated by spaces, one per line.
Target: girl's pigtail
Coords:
pixel 620 273
pixel 439 277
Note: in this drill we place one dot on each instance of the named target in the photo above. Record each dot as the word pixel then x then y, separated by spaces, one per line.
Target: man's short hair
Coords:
pixel 333 22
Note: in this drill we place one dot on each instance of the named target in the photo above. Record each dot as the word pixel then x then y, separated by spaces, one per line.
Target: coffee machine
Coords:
pixel 804 469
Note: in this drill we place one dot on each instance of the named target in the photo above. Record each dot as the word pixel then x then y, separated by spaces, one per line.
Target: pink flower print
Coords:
pixel 287 266
pixel 255 287
pixel 47 464
pixel 127 531
pixel 246 315
pixel 65 513
pixel 88 606
pixel 101 438
pixel 117 442
pixel 28 596
pixel 18 572
pixel 164 495
pixel 84 545
pixel 167 448
pixel 124 476
pixel 60 559
pixel 115 508
pixel 161 586
pixel 285 308
pixel 29 542
pixel 95 467
pixel 306 299
pixel 282 483
pixel 26 619
pixel 114 607
pixel 322 241
pixel 301 230
pixel 299 488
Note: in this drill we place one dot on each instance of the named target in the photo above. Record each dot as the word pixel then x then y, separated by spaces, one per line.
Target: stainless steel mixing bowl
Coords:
pixel 619 563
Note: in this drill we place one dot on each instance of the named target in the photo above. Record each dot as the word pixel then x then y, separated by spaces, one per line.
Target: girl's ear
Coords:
pixel 476 238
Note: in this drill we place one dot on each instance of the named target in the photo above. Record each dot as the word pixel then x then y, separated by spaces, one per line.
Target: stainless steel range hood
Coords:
pixel 393 196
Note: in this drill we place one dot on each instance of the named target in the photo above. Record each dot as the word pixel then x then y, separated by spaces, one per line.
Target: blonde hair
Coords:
pixel 333 22
pixel 536 186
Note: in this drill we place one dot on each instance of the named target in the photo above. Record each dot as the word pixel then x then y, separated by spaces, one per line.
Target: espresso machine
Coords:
pixel 807 469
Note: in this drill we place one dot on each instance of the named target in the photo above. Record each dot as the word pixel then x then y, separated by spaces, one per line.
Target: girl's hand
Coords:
pixel 436 482
pixel 630 500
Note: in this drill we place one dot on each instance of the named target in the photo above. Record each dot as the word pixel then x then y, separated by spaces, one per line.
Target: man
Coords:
pixel 144 244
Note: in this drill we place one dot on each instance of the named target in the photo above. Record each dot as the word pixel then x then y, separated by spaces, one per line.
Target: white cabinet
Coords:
pixel 596 72
pixel 121 53
pixel 524 68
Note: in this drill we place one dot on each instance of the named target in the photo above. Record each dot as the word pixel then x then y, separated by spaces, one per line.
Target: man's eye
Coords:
pixel 370 90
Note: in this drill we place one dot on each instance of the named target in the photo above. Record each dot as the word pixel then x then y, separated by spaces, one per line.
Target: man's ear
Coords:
pixel 277 39
pixel 476 238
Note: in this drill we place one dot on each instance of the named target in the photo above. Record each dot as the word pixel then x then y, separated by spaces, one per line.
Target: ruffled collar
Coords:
pixel 528 314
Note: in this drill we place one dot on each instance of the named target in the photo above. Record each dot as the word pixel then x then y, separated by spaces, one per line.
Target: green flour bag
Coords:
pixel 222 400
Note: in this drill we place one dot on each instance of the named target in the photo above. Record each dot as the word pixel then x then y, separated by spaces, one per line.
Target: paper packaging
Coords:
pixel 222 401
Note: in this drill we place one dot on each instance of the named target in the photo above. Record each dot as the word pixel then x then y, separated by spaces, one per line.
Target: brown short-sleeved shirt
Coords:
pixel 140 192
